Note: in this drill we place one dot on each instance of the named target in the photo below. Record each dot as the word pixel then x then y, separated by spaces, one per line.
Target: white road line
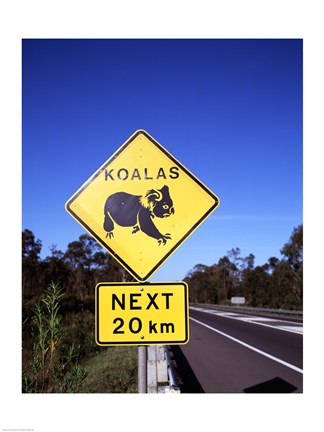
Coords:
pixel 292 329
pixel 255 320
pixel 276 359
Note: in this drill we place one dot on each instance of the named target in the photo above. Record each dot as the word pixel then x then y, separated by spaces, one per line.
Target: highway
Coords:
pixel 231 352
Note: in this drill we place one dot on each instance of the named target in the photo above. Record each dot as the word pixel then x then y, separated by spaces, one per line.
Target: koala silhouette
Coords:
pixel 138 211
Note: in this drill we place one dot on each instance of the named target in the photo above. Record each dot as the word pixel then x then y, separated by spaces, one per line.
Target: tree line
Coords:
pixel 276 284
pixel 58 300
pixel 77 270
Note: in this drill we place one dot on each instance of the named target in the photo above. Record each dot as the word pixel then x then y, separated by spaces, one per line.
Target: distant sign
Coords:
pixel 238 300
pixel 142 314
pixel 141 205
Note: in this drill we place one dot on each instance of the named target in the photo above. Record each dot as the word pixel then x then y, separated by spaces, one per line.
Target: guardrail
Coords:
pixel 160 372
pixel 249 308
pixel 173 383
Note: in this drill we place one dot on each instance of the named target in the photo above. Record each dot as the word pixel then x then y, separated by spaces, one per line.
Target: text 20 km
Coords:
pixel 135 326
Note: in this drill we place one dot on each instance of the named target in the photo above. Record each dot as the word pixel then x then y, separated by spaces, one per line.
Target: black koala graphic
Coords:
pixel 139 211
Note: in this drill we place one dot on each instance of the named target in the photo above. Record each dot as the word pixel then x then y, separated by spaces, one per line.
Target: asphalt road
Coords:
pixel 240 353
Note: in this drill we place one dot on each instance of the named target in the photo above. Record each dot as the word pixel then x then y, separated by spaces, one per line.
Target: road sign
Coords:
pixel 142 314
pixel 238 300
pixel 141 205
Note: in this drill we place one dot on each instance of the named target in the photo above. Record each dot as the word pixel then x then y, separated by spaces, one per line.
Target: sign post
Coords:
pixel 141 205
pixel 142 369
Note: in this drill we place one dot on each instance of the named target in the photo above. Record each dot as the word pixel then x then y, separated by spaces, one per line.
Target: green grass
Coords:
pixel 60 354
pixel 112 370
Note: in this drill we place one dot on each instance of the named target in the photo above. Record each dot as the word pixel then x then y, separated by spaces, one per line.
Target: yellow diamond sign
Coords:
pixel 141 205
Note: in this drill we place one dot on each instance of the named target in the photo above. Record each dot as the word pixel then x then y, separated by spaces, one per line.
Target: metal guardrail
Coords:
pixel 161 377
pixel 249 308
pixel 173 384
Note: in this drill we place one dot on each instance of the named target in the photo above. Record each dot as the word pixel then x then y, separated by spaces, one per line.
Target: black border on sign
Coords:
pixel 140 342
pixel 100 170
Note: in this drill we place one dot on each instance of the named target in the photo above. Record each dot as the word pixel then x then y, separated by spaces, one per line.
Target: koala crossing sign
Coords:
pixel 141 205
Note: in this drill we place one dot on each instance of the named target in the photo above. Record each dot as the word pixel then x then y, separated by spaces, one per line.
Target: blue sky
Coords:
pixel 228 110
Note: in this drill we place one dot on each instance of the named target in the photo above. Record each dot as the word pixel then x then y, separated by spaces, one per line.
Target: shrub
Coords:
pixel 49 369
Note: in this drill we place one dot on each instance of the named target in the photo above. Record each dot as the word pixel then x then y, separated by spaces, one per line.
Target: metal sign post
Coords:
pixel 142 369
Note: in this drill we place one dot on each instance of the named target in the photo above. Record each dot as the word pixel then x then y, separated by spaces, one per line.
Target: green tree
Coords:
pixel 89 264
pixel 225 283
pixel 293 255
pixel 256 286
pixel 81 260
pixel 293 249
pixel 31 248
pixel 234 271
pixel 54 267
pixel 196 279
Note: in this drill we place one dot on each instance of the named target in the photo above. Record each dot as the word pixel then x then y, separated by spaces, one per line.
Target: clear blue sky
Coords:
pixel 229 110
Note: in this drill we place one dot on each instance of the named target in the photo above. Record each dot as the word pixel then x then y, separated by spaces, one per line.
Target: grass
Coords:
pixel 60 354
pixel 52 367
pixel 112 370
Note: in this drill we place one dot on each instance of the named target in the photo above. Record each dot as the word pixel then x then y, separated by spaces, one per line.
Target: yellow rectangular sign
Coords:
pixel 142 313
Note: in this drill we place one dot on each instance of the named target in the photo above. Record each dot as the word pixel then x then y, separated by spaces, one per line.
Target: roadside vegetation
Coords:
pixel 59 351
pixel 276 284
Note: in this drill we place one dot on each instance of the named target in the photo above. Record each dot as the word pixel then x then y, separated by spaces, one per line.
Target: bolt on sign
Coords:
pixel 141 314
pixel 141 205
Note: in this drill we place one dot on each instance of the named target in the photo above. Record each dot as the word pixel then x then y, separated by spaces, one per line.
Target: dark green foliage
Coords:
pixel 276 284
pixel 58 330
pixel 50 369
pixel 78 270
